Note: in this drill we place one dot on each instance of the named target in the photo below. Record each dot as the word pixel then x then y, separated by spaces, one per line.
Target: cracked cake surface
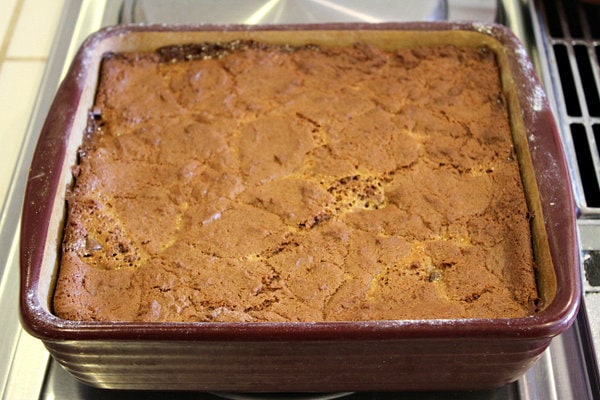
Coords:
pixel 252 182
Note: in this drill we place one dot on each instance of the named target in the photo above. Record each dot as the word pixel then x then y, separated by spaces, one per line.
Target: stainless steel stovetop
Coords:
pixel 564 43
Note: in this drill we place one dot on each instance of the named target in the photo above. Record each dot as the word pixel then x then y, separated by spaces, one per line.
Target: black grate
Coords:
pixel 553 19
pixel 592 16
pixel 586 73
pixel 573 22
pixel 569 89
pixel 573 28
pixel 585 163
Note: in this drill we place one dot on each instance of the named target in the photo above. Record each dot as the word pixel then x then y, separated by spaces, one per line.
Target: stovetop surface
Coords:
pixel 562 42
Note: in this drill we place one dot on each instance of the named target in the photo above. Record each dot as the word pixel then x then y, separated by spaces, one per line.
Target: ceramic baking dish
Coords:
pixel 304 357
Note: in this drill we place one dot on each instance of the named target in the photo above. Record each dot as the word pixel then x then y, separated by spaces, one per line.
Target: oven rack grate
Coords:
pixel 571 36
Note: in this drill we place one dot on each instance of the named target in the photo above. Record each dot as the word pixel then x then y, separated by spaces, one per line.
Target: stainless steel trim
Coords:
pixel 281 11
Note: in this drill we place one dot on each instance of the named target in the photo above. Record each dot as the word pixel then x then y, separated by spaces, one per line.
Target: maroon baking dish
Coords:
pixel 295 356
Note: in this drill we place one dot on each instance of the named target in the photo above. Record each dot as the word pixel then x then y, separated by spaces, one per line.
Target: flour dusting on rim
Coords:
pixel 536 97
pixel 482 27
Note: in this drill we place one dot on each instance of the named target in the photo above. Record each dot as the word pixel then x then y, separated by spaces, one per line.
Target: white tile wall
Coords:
pixel 19 81
pixel 34 29
pixel 7 8
pixel 27 29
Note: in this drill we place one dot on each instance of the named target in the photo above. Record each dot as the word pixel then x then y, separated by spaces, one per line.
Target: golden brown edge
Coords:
pixel 545 272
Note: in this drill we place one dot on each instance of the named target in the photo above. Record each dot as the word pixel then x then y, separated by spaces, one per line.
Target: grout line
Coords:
pixel 12 24
pixel 26 58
